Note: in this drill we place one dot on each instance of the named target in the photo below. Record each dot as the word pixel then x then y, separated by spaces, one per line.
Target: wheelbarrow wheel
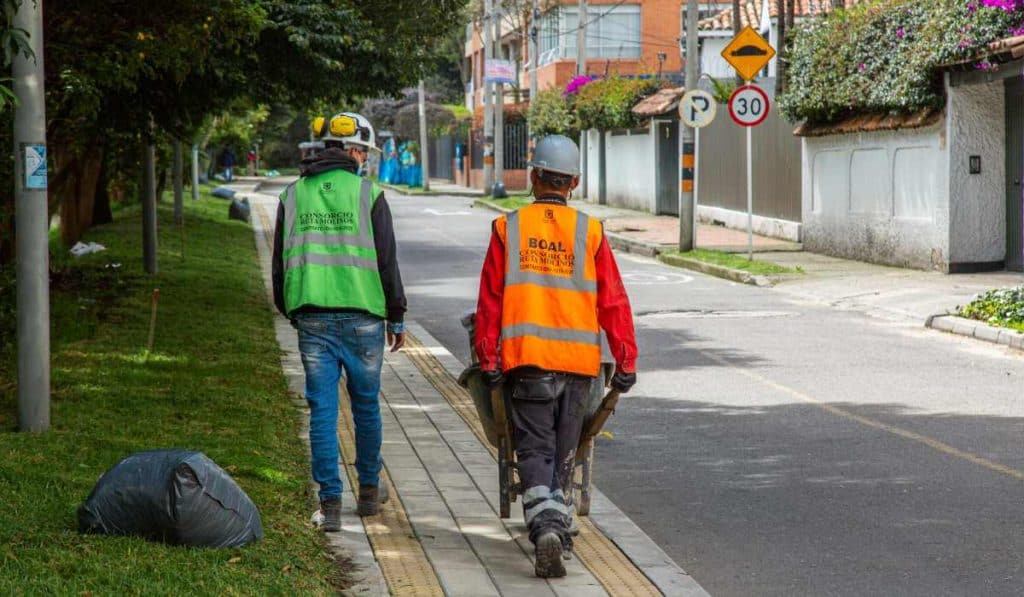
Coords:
pixel 584 462
pixel 504 477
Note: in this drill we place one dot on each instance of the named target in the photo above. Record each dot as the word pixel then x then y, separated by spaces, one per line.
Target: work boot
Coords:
pixel 370 499
pixel 328 517
pixel 548 552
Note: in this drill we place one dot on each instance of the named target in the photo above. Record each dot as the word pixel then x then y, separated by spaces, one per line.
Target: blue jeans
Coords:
pixel 332 344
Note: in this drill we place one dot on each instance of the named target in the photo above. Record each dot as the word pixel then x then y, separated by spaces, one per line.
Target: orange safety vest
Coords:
pixel 549 309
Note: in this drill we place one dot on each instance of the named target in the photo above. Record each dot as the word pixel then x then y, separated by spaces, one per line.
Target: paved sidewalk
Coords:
pixel 662 232
pixel 440 533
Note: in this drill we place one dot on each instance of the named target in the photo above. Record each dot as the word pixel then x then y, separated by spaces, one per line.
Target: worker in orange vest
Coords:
pixel 549 285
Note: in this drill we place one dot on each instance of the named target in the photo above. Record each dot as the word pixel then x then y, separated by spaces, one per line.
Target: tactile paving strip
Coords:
pixel 405 566
pixel 605 561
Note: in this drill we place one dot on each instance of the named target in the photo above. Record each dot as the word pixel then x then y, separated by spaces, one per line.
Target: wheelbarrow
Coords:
pixel 493 407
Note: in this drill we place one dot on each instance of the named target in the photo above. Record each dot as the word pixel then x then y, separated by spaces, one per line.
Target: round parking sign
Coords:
pixel 749 105
pixel 697 108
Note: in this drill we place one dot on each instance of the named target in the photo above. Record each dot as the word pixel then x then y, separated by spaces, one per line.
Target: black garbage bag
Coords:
pixel 172 496
pixel 239 209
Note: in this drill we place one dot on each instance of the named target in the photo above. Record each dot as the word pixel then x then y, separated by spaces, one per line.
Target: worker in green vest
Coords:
pixel 336 277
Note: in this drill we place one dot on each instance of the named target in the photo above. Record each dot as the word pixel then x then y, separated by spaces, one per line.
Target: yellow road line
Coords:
pixel 897 431
pixel 405 566
pixel 606 562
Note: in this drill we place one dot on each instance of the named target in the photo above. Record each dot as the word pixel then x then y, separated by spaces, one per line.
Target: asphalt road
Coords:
pixel 774 446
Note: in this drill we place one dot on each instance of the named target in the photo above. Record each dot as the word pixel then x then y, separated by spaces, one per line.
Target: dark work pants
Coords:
pixel 547 416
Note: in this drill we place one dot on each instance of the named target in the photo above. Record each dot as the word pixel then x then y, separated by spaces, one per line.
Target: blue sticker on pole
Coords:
pixel 34 166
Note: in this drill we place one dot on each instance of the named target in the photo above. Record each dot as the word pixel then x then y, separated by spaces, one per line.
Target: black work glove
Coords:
pixel 493 378
pixel 623 381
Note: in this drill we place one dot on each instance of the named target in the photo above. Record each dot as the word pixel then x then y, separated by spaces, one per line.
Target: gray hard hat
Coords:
pixel 557 153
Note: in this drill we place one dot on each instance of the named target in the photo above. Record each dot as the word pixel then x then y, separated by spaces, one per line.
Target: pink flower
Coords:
pixel 901 33
pixel 576 84
pixel 1007 5
pixel 862 67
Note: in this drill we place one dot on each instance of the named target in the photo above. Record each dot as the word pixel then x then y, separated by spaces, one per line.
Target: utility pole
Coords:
pixel 581 69
pixel 149 203
pixel 499 114
pixel 687 138
pixel 31 225
pixel 488 102
pixel 534 65
pixel 424 146
pixel 195 172
pixel 179 183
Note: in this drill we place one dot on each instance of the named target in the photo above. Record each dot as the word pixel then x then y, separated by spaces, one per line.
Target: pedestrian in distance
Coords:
pixel 250 162
pixel 549 284
pixel 336 277
pixel 227 161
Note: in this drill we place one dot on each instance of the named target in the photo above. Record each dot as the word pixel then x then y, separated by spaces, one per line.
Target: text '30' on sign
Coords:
pixel 748 53
pixel 749 105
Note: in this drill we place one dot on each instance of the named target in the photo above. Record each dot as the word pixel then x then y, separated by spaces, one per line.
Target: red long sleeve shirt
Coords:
pixel 613 310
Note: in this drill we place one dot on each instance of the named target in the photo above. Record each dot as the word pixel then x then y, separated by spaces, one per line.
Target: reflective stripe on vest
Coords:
pixel 517 330
pixel 515 275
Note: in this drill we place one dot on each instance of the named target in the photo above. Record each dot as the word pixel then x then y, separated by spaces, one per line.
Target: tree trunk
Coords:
pixel 74 188
pixel 781 59
pixel 101 213
pixel 790 15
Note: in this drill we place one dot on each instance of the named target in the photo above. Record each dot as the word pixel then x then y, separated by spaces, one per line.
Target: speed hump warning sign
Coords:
pixel 748 53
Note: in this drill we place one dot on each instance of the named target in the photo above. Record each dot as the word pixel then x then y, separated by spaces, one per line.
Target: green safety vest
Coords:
pixel 330 259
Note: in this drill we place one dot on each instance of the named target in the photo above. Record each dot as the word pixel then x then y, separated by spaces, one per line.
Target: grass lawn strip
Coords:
pixel 213 383
pixel 734 261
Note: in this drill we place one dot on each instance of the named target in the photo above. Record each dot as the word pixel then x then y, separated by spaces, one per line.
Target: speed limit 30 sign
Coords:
pixel 749 105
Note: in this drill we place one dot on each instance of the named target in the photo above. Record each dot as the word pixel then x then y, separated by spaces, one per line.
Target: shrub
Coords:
pixel 551 114
pixel 607 104
pixel 883 56
pixel 1003 307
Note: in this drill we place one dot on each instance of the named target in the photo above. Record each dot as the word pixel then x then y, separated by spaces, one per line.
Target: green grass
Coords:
pixel 1003 307
pixel 735 261
pixel 513 201
pixel 213 383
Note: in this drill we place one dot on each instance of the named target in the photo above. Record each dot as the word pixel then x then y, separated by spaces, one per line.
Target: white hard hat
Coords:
pixel 348 128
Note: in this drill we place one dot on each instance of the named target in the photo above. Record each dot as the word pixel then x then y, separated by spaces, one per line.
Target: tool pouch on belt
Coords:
pixel 537 386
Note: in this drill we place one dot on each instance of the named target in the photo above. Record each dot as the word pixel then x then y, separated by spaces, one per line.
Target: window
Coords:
pixel 558 34
pixel 613 33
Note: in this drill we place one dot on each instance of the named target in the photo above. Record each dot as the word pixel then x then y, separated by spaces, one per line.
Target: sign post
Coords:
pixel 697 109
pixel 748 53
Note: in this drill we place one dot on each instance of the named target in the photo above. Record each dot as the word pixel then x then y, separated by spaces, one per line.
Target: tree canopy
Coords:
pixel 115 66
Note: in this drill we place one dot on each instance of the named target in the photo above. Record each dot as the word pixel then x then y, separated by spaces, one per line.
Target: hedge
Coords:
pixel 883 56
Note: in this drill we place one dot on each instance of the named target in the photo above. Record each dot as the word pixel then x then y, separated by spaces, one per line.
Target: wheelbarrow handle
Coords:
pixel 607 408
pixel 498 406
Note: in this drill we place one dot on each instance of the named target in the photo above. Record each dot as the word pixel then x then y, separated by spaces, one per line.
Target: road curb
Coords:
pixel 972 328
pixel 491 206
pixel 422 193
pixel 719 271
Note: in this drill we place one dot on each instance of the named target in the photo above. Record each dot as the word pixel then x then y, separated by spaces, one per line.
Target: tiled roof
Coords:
pixel 662 102
pixel 750 13
pixel 997 52
pixel 866 123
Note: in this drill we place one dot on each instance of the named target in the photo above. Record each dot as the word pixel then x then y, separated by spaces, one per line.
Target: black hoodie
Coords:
pixel 383 237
